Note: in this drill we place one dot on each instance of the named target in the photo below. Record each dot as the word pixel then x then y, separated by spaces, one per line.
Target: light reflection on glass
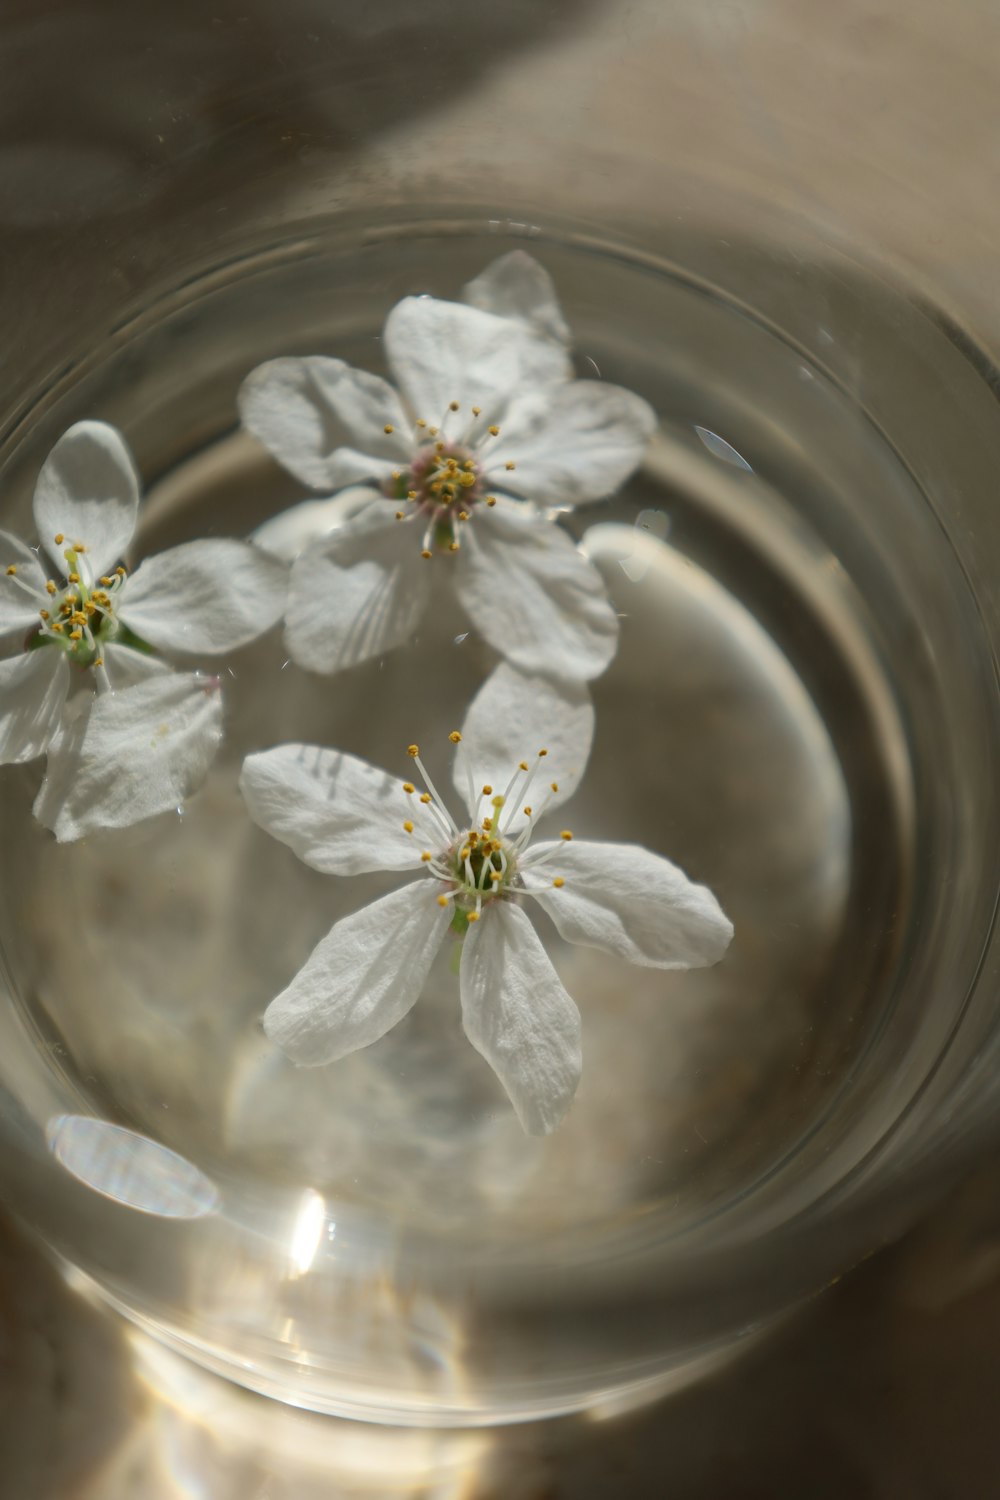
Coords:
pixel 308 1232
pixel 130 1168
pixel 719 448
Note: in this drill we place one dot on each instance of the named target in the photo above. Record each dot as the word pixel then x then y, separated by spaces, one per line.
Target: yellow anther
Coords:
pixel 558 882
pixel 421 422
pixel 427 855
pixel 12 571
pixel 425 797
pixel 473 916
pixel 494 430
pixel 120 571
pixel 59 538
pixel 442 901
pixel 433 431
pixel 487 824
pixel 438 447
pixel 455 737
pixel 522 765
pixel 411 494
pixel 76 635
pixel 543 752
pixel 408 787
pixel 388 428
pixel 487 790
pixel 74 577
pixel 98 661
pixel 454 546
pixel 50 587
pixel 453 406
pixel 496 874
pixel 491 499
pixel 463 515
pixel 510 464
pixel 527 812
pixel 57 627
pixel 408 826
pixel 400 514
pixel 397 474
pixel 465 853
pixel 554 785
pixel 425 553
pixel 473 837
pixel 466 479
pixel 44 614
pixel 79 547
pixel 477 411
pixel 106 582
pixel 413 749
pixel 566 835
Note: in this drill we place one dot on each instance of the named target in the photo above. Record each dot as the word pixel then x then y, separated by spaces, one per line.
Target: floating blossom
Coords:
pixel 449 470
pixel 126 737
pixel 520 754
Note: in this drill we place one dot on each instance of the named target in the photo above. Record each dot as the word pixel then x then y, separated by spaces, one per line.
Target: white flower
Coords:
pixel 447 471
pixel 125 736
pixel 343 816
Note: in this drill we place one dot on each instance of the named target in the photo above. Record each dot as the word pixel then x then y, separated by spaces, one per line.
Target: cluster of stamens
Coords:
pixel 81 613
pixel 445 480
pixel 478 864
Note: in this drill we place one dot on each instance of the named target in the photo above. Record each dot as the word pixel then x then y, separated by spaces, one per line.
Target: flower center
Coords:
pixel 445 480
pixel 80 616
pixel 481 864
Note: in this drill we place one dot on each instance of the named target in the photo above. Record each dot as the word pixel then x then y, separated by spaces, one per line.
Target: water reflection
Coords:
pixel 130 1168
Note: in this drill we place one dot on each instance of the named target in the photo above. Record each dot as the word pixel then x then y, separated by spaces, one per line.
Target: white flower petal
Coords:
pixel 88 491
pixel 363 592
pixel 518 1015
pixel 19 607
pixel 516 286
pixel 577 442
pixel 361 979
pixel 308 411
pixel 205 597
pixel 510 719
pixel 125 666
pixel 533 595
pixel 441 352
pixel 291 531
pixel 125 756
pixel 629 901
pixel 338 813
pixel 33 688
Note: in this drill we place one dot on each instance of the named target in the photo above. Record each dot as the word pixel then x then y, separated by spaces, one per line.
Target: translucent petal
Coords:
pixel 33 688
pixel 338 813
pixel 88 491
pixel 441 352
pixel 629 901
pixel 362 592
pixel 125 666
pixel 23 595
pixel 122 757
pixel 361 979
pixel 533 595
pixel 205 597
pixel 511 718
pixel 307 412
pixel 573 443
pixel 518 1015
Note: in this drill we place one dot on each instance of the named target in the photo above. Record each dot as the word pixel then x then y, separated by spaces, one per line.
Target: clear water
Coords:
pixel 787 600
